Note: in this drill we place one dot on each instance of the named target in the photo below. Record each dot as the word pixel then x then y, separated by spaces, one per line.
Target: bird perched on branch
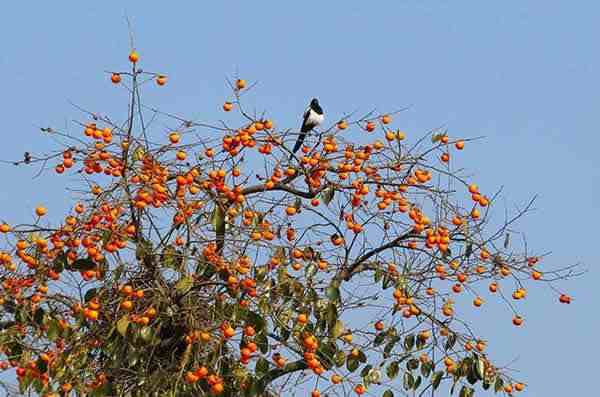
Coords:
pixel 313 116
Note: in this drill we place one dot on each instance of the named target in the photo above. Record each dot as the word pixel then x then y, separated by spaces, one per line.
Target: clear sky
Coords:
pixel 522 73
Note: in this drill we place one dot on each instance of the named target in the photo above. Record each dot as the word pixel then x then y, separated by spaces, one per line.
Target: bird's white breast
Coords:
pixel 314 119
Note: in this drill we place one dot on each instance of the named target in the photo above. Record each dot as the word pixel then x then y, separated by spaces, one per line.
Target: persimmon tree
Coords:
pixel 201 260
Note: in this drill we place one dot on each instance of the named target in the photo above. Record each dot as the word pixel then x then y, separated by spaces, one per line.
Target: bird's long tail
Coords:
pixel 298 144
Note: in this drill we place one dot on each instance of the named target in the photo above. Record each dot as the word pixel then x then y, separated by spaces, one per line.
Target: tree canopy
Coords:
pixel 205 258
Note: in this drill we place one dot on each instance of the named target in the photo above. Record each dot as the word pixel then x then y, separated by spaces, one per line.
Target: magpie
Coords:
pixel 313 116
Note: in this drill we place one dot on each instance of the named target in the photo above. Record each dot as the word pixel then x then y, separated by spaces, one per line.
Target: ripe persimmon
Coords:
pixel 115 78
pixel 227 106
pixel 181 155
pixel 161 80
pixel 519 386
pixel 133 57
pixel 174 137
pixel 564 299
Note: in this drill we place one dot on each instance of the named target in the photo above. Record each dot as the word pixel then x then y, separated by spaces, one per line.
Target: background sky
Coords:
pixel 522 73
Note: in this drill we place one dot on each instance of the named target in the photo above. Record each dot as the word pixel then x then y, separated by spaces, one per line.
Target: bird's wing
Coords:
pixel 305 127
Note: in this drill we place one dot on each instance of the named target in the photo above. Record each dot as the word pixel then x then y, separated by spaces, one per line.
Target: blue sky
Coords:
pixel 522 73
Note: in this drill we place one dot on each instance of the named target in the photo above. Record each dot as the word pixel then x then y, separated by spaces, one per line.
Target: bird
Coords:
pixel 313 116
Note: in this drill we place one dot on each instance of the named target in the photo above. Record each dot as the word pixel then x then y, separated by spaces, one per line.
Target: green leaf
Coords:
pixel 417 382
pixel 217 219
pixel 89 294
pixel 256 321
pixel 132 358
pixel 412 364
pixel 328 194
pixel 24 383
pixel 352 364
pixel 53 330
pixel 487 383
pixel 390 346
pixel 387 281
pixel 466 392
pixel 37 385
pixel 262 342
pixel 408 381
pixel 146 333
pixel 83 264
pixel 41 365
pixel 332 317
pixel 365 371
pixel 327 353
pixel 338 329
pixel 60 262
pixel 379 339
pixel 262 367
pixel 184 284
pixel 362 356
pixel 170 257
pixel 38 316
pixel 388 393
pixel 297 203
pixel 472 377
pixel 436 138
pixel 264 306
pixel 409 342
pixel 253 387
pixel 21 316
pixel 333 293
pixel 480 367
pixel 311 270
pixel 498 385
pixel 16 350
pixel 392 369
pixel 426 368
pixel 451 341
pixel 139 153
pixel 122 325
pixel 436 379
pixel 340 358
pixel 378 274
pixel 284 334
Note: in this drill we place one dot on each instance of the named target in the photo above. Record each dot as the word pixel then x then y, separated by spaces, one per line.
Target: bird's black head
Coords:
pixel 314 105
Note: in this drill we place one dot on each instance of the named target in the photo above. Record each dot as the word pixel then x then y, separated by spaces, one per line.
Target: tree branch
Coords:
pixel 346 273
